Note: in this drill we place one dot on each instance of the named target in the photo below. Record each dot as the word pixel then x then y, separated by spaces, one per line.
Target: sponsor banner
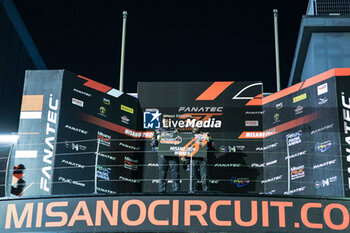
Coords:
pixel 31 162
pixel 310 147
pixel 344 125
pixel 183 144
pixel 176 213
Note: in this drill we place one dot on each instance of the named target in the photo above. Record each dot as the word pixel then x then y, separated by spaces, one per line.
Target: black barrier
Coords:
pixel 175 214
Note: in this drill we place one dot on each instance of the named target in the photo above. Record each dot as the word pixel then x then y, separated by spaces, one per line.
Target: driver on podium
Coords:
pixel 165 162
pixel 199 165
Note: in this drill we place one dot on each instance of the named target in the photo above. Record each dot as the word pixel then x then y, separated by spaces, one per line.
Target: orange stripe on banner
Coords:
pixel 115 127
pixel 95 85
pixel 326 75
pixel 280 128
pixel 32 102
pixel 282 93
pixel 307 83
pixel 257 101
pixel 214 90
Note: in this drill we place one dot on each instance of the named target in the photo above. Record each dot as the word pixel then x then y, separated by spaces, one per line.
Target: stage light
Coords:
pixel 11 138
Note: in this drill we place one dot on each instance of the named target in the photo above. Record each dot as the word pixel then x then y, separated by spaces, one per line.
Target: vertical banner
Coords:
pixel 343 97
pixel 32 160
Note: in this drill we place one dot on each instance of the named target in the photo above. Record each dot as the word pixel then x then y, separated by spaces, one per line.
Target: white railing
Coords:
pixel 328 7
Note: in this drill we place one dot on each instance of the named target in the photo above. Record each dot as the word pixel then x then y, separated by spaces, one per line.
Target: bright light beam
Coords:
pixel 8 138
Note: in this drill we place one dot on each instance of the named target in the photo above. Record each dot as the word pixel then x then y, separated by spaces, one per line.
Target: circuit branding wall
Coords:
pixel 175 213
pixel 224 109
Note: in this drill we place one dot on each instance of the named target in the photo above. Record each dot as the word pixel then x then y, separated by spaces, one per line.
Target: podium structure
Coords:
pixel 307 136
pixel 63 117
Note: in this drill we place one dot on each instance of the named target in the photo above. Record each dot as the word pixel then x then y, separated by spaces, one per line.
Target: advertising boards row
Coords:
pixel 79 136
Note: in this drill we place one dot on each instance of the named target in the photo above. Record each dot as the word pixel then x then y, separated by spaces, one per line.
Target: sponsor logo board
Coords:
pixel 297 172
pixel 325 182
pixel 322 100
pixel 299 98
pixel 322 89
pixel 127 109
pixel 240 182
pixel 104 139
pixel 323 146
pixel 125 119
pixel 151 120
pixel 279 105
pixel 299 109
pixel 251 123
pixel 77 102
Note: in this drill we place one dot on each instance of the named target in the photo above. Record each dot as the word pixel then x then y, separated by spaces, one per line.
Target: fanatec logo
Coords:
pixel 227 165
pixel 267 147
pixel 324 164
pixel 50 138
pixel 296 155
pixel 129 146
pixel 76 129
pixel 322 128
pixel 346 120
pixel 272 179
pixel 82 92
pixel 297 190
pixel 201 109
pixel 255 113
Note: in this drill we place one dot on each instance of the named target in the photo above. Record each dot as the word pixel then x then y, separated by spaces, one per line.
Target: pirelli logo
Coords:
pixel 299 98
pixel 127 109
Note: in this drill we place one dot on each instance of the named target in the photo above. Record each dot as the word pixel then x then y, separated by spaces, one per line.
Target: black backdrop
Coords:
pixel 236 105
